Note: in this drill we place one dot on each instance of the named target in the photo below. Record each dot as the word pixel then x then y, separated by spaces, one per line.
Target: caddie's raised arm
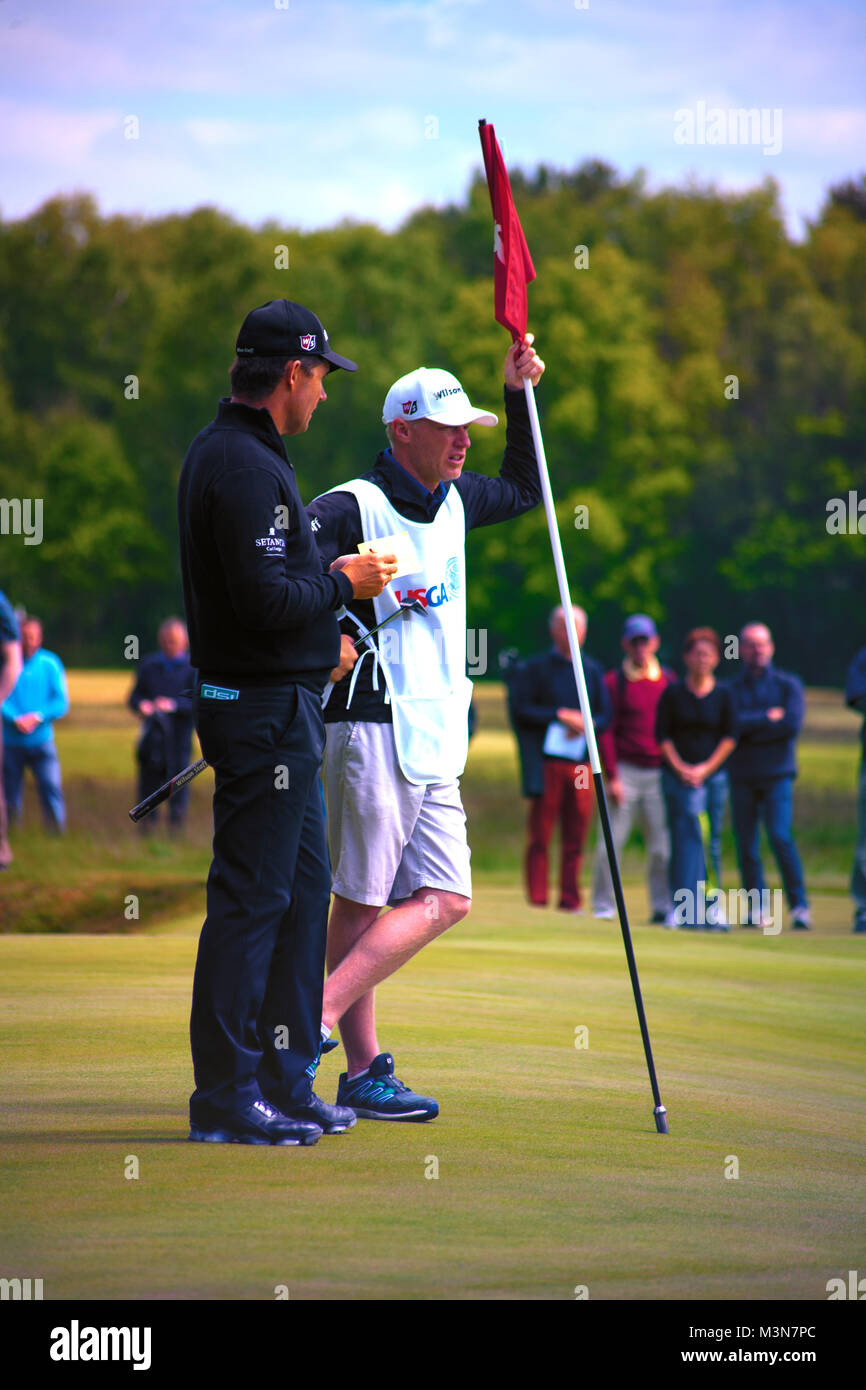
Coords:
pixel 522 361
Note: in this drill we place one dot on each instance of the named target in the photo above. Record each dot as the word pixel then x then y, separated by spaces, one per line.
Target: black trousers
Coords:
pixel 177 754
pixel 257 993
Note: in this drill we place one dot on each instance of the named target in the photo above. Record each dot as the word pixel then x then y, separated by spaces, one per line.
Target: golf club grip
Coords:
pixel 168 789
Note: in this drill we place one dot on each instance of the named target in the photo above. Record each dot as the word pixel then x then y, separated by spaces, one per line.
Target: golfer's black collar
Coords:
pixel 236 415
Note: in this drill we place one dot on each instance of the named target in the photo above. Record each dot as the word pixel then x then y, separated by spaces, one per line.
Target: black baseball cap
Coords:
pixel 281 328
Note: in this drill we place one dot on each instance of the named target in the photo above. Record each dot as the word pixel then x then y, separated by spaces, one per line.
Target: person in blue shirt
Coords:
pixel 855 696
pixel 162 698
pixel 10 669
pixel 770 706
pixel 29 713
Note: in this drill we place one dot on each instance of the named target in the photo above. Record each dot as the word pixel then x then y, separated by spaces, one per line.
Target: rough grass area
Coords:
pixel 82 882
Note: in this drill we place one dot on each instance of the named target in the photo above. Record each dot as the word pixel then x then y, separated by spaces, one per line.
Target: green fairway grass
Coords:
pixel 551 1176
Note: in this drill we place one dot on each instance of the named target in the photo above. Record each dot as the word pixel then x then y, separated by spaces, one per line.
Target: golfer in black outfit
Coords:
pixel 261 610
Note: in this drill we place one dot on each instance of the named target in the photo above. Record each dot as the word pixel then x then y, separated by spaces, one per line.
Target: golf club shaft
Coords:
pixel 168 789
pixel 181 779
pixel 369 633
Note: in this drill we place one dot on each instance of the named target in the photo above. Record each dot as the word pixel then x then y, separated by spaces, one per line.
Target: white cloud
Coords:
pixel 218 133
pixel 54 137
pixel 322 107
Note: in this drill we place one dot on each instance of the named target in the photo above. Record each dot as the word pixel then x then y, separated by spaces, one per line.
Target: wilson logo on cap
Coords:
pixel 410 407
pixel 308 341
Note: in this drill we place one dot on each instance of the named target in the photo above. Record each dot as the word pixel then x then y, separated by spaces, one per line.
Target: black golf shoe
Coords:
pixel 332 1119
pixel 259 1123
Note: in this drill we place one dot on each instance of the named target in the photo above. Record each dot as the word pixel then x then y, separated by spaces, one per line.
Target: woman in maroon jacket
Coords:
pixel 632 763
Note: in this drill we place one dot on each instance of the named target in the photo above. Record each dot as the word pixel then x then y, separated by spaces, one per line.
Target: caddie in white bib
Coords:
pixel 423 659
pixel 396 738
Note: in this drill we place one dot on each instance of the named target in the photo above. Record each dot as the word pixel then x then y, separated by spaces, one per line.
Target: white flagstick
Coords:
pixel 659 1112
pixel 561 578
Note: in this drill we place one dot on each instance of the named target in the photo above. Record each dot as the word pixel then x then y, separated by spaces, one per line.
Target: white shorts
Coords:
pixel 387 836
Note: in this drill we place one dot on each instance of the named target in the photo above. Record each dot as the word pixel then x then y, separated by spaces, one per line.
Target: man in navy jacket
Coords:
pixel 556 772
pixel 855 696
pixel 162 698
pixel 770 706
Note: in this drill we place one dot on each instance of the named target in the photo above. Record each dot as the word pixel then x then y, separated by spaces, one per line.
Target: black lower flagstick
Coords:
pixel 660 1113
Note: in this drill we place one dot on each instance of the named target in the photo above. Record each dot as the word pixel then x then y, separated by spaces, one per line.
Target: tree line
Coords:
pixel 703 409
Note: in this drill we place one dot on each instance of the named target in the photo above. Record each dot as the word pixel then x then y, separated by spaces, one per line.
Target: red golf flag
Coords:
pixel 512 263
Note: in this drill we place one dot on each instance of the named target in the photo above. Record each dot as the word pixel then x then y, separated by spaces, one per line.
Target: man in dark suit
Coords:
pixel 557 777
pixel 855 696
pixel 162 698
pixel 769 705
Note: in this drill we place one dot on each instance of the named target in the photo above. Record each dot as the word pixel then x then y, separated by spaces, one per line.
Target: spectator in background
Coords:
pixel 855 696
pixel 696 732
pixel 557 775
pixel 632 761
pixel 714 819
pixel 10 669
pixel 162 698
pixel 29 712
pixel 769 706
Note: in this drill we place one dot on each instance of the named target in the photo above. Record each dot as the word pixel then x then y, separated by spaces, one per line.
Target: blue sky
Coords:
pixel 307 111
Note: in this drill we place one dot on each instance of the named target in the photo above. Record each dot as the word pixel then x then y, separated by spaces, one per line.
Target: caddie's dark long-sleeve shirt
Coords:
pixel 336 521
pixel 260 604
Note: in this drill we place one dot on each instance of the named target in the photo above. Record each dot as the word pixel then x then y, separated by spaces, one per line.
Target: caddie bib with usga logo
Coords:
pixel 423 658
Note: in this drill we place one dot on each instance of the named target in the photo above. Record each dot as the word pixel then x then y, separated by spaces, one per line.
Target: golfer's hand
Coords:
pixel 617 791
pixel 348 657
pixel 368 574
pixel 26 723
pixel 693 774
pixel 165 705
pixel 776 713
pixel 522 361
pixel 145 708
pixel 572 719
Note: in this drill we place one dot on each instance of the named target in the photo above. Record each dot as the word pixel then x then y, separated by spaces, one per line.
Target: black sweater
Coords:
pixel 260 604
pixel 695 724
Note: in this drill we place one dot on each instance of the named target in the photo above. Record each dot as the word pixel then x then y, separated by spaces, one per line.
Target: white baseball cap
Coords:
pixel 428 393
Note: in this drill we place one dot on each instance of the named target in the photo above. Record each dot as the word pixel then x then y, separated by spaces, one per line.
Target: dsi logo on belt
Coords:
pixel 218 692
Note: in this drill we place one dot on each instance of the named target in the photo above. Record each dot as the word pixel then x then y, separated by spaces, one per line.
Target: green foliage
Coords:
pixel 702 506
